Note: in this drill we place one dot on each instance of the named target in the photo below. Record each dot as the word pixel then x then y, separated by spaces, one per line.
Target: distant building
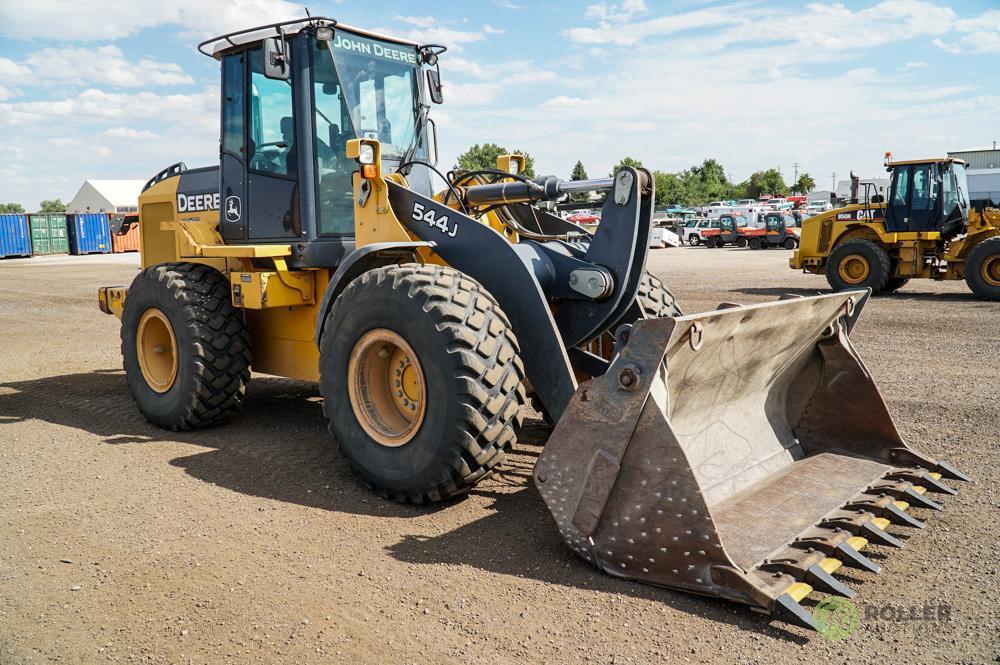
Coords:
pixel 881 187
pixel 824 195
pixel 983 168
pixel 107 196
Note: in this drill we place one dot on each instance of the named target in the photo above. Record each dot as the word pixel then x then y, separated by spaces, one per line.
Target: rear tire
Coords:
pixel 856 264
pixel 470 378
pixel 182 312
pixel 982 269
pixel 755 243
pixel 710 242
pixel 741 242
pixel 694 240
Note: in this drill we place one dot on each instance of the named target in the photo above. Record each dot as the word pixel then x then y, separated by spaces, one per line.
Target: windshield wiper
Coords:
pixel 404 162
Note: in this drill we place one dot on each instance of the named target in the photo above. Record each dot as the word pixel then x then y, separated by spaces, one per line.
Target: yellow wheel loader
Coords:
pixel 927 229
pixel 743 453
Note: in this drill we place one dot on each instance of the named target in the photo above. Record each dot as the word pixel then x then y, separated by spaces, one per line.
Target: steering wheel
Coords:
pixel 259 162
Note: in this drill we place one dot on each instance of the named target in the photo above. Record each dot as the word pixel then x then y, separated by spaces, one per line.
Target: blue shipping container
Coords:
pixel 15 238
pixel 89 233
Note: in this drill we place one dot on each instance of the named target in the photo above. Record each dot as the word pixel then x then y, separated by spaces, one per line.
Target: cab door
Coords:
pixel 272 210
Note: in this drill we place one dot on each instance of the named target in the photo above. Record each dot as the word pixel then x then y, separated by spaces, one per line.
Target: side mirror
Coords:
pixel 277 60
pixel 434 85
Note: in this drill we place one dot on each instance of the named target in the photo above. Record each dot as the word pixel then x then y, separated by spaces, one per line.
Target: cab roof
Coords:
pixel 930 160
pixel 222 43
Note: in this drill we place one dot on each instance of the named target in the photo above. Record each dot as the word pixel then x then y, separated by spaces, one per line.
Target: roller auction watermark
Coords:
pixel 837 618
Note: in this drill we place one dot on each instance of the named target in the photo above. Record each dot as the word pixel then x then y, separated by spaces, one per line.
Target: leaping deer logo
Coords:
pixel 233 209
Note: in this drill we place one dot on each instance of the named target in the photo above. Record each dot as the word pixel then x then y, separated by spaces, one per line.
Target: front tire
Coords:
pixel 894 284
pixel 694 240
pixel 755 243
pixel 856 264
pixel 185 348
pixel 982 269
pixel 741 242
pixel 655 298
pixel 788 243
pixel 465 383
pixel 710 243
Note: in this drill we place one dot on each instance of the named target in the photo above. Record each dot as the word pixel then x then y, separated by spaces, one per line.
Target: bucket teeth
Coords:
pixel 934 485
pixel 917 499
pixel 877 535
pixel 855 559
pixel 790 611
pixel 824 581
pixel 948 471
pixel 928 480
pixel 897 515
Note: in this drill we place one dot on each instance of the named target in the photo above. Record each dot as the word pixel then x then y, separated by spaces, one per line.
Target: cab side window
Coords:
pixel 272 126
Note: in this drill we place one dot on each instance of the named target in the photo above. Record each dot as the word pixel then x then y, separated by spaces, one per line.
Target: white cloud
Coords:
pixel 88 20
pixel 618 30
pixel 622 11
pixel 977 35
pixel 819 26
pixel 128 133
pixel 103 65
pixel 430 30
pixel 97 106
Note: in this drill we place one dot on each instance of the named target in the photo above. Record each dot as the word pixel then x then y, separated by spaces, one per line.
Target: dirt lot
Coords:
pixel 252 543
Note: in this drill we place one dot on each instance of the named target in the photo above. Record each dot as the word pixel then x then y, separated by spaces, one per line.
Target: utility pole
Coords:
pixel 834 186
pixel 795 178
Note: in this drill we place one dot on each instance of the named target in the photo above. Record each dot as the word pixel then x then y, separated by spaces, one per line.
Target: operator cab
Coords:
pixel 927 195
pixel 293 94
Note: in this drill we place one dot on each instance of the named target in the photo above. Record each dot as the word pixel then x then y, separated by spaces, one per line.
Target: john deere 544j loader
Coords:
pixel 742 453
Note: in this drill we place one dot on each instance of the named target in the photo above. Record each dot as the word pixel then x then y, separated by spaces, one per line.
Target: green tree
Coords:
pixel 579 173
pixel 670 189
pixel 485 157
pixel 804 184
pixel 626 161
pixel 52 205
pixel 705 182
pixel 765 182
pixel 7 208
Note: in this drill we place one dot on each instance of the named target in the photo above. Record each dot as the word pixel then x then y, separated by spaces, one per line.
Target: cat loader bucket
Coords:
pixel 743 453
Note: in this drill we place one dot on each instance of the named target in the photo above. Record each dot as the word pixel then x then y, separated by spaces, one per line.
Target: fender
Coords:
pixel 361 260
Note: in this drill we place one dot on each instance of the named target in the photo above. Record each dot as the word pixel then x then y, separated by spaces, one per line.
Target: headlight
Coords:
pixel 366 153
pixel 515 165
pixel 324 34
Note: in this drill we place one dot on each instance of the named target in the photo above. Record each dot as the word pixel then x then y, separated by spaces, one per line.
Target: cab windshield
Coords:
pixel 377 82
pixel 955 187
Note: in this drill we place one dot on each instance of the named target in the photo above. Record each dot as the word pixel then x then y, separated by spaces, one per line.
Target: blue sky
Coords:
pixel 120 92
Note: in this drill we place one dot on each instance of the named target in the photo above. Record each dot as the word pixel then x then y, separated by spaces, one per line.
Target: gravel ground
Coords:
pixel 252 543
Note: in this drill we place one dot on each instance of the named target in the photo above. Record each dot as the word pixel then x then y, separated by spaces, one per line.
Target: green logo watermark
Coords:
pixel 835 618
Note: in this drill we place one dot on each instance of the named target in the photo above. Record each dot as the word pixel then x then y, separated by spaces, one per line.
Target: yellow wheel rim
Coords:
pixel 385 384
pixel 156 348
pixel 854 269
pixel 991 270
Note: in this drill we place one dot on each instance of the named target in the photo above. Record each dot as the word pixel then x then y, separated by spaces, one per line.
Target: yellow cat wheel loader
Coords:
pixel 743 453
pixel 928 229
